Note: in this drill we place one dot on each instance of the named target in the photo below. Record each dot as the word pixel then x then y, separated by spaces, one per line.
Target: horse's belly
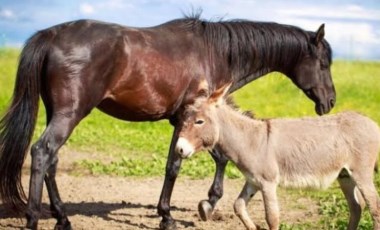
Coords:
pixel 137 110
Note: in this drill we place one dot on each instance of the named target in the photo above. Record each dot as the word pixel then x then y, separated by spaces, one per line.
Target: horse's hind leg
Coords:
pixel 354 199
pixel 44 160
pixel 240 205
pixel 56 205
pixel 206 207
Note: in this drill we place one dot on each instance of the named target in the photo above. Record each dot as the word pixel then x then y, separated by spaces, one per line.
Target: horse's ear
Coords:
pixel 320 34
pixel 218 95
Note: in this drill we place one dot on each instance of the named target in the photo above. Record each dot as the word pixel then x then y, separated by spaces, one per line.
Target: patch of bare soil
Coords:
pixel 105 202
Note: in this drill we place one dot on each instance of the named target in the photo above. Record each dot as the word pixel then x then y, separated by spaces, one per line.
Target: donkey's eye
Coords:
pixel 199 122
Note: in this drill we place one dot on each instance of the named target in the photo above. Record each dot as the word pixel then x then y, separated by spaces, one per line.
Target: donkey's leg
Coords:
pixel 240 205
pixel 364 182
pixel 172 169
pixel 354 199
pixel 43 157
pixel 206 207
pixel 272 211
pixel 56 204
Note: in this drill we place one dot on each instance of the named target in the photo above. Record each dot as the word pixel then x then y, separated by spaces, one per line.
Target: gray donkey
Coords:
pixel 306 152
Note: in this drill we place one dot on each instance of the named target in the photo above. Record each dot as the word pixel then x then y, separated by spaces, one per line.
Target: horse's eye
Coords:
pixel 199 122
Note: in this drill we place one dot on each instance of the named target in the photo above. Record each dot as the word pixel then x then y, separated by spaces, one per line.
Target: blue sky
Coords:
pixel 352 26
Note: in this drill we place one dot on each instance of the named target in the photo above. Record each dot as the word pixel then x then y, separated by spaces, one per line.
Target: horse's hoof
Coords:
pixel 205 210
pixel 28 228
pixel 168 225
pixel 31 226
pixel 65 226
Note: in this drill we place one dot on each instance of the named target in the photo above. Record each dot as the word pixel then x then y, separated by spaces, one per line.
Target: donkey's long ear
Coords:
pixel 218 95
pixel 320 34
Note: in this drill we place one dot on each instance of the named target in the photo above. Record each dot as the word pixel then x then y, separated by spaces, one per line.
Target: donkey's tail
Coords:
pixel 18 123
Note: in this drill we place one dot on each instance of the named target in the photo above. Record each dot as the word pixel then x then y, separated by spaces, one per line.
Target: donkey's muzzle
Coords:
pixel 184 148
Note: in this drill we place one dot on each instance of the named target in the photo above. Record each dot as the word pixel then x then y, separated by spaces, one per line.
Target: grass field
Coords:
pixel 140 149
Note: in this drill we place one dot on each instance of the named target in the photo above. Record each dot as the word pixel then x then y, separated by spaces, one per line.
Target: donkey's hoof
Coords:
pixel 168 225
pixel 205 210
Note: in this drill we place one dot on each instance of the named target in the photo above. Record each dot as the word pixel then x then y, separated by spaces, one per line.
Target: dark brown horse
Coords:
pixel 141 74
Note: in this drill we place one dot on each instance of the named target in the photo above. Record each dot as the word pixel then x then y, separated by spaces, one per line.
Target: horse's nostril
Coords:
pixel 181 150
pixel 332 102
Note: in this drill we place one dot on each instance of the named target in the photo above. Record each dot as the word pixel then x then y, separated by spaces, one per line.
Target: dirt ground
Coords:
pixel 104 202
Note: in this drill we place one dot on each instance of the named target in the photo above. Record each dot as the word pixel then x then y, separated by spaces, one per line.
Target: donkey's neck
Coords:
pixel 239 133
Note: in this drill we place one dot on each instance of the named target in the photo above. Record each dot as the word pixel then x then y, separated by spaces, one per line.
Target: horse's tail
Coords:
pixel 18 124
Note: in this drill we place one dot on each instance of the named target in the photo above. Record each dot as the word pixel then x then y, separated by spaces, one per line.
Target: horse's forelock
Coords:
pixel 328 50
pixel 325 44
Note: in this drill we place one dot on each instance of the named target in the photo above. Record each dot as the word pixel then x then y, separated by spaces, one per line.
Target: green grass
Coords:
pixel 8 67
pixel 140 149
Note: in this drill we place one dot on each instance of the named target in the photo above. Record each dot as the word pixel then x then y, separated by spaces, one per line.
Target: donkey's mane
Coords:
pixel 241 40
pixel 230 102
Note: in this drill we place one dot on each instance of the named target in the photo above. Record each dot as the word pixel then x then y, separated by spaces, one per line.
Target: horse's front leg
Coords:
pixel 206 207
pixel 172 169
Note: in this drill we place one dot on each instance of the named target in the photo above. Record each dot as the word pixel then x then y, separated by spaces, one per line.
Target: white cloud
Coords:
pixel 358 12
pixel 108 8
pixel 352 28
pixel 116 4
pixel 354 39
pixel 344 12
pixel 86 8
pixel 7 14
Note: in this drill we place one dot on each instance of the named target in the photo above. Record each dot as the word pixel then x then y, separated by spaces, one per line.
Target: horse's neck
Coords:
pixel 238 134
pixel 243 78
pixel 266 58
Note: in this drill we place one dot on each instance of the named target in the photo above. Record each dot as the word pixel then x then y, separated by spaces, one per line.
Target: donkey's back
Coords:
pixel 313 152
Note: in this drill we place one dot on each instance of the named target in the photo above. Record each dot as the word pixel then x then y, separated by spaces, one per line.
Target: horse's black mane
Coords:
pixel 241 40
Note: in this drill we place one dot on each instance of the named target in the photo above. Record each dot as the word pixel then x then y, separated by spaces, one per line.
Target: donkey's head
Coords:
pixel 198 126
pixel 312 73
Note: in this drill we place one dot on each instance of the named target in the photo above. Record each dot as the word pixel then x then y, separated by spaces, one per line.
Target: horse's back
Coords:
pixel 130 73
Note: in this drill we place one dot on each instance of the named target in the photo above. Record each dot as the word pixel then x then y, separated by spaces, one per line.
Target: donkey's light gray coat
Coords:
pixel 307 152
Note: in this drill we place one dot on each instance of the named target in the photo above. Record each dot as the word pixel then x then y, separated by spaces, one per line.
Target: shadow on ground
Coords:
pixel 106 211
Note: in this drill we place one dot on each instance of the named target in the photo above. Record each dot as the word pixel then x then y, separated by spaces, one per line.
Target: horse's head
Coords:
pixel 312 73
